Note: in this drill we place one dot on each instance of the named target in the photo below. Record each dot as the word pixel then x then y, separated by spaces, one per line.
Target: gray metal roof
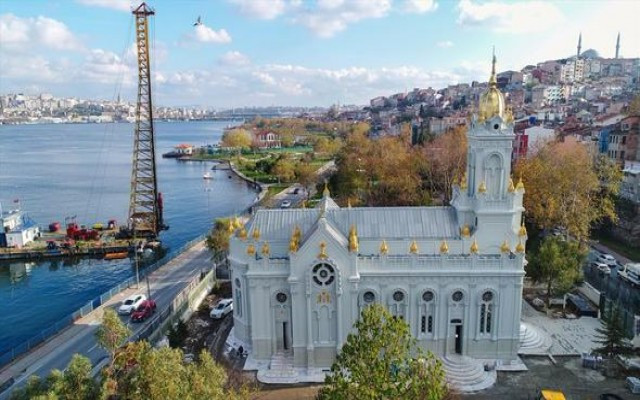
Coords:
pixel 370 222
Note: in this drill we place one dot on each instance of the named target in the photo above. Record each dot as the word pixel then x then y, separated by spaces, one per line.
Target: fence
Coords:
pixel 68 320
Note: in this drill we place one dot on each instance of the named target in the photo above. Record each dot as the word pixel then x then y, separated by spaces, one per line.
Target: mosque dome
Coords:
pixel 591 53
pixel 492 101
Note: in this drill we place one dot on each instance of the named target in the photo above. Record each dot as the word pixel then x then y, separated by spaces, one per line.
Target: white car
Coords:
pixel 604 268
pixel 607 259
pixel 285 204
pixel 223 308
pixel 131 303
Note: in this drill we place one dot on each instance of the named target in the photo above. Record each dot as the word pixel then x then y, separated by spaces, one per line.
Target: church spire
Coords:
pixel 579 45
pixel 618 46
pixel 492 79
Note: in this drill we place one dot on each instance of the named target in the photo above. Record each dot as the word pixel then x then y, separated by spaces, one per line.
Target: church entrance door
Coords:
pixel 458 337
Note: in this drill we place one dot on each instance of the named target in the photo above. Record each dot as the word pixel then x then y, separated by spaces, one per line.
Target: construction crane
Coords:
pixel 145 204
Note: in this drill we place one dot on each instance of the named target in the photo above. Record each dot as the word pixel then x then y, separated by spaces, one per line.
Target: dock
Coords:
pixel 30 254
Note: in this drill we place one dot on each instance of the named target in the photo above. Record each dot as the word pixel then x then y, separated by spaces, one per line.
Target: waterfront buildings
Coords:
pixel 301 276
pixel 17 229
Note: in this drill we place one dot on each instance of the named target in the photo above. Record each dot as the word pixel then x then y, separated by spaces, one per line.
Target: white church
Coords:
pixel 454 274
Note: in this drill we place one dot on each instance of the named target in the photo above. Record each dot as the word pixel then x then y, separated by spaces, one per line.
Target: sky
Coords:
pixel 293 52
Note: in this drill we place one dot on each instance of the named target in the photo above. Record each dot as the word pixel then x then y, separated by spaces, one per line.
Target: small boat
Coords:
pixel 207 176
pixel 116 256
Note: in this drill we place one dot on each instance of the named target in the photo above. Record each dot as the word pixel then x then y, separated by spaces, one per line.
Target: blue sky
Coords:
pixel 294 52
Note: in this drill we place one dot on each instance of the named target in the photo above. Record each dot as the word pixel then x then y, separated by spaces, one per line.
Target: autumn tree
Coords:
pixel 634 106
pixel 611 335
pixel 306 176
pixel 237 138
pixel 327 147
pixel 218 239
pixel 566 188
pixel 557 263
pixel 380 360
pixel 284 169
pixel 112 333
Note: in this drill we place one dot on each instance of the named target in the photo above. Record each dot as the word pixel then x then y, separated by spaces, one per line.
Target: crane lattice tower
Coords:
pixel 145 205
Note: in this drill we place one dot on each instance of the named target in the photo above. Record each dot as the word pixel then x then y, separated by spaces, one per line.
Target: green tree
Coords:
pixel 112 333
pixel 611 336
pixel 557 264
pixel 218 239
pixel 284 169
pixel 381 361
pixel 177 334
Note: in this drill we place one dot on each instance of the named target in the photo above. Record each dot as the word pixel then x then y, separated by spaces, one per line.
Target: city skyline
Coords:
pixel 293 53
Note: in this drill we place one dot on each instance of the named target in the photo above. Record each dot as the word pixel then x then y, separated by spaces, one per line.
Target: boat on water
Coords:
pixel 207 175
pixel 116 256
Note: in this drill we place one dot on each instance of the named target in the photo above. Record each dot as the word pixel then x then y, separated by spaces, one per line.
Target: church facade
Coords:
pixel 301 277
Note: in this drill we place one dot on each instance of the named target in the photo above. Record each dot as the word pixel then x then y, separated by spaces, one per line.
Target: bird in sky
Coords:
pixel 198 21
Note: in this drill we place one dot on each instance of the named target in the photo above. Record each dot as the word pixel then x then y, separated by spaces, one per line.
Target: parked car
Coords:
pixel 285 204
pixel 131 303
pixel 604 268
pixel 296 191
pixel 608 259
pixel 224 307
pixel 144 311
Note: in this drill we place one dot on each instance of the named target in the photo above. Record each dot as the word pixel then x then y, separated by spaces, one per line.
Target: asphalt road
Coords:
pixel 165 284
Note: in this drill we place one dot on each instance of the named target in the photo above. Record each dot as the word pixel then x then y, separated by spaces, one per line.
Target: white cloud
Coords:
pixel 234 58
pixel 505 17
pixel 103 66
pixel 333 16
pixel 420 6
pixel 120 5
pixel 261 9
pixel 445 44
pixel 204 34
pixel 16 33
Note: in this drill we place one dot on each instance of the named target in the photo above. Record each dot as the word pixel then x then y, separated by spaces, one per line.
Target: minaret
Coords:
pixel 618 46
pixel 579 45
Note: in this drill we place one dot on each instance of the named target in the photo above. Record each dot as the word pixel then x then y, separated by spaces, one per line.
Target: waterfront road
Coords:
pixel 165 284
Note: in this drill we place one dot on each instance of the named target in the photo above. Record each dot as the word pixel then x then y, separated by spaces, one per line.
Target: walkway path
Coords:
pixel 165 284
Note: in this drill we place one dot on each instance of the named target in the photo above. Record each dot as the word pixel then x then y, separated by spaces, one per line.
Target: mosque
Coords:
pixel 455 273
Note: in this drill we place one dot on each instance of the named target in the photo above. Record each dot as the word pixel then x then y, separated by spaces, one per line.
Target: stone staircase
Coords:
pixel 466 374
pixel 280 369
pixel 533 341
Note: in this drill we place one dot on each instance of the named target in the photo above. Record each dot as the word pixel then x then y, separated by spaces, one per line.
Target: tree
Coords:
pixel 564 188
pixel 306 176
pixel 634 106
pixel 442 160
pixel 612 336
pixel 237 138
pixel 376 362
pixel 112 333
pixel 75 383
pixel 557 263
pixel 284 169
pixel 218 239
pixel 178 334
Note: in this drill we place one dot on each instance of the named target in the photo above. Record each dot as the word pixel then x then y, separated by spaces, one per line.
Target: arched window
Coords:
pixel 486 312
pixel 238 291
pixel 398 304
pixel 366 298
pixel 427 310
pixel 493 172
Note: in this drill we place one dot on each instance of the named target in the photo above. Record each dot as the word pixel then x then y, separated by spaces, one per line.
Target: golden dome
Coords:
pixel 465 231
pixel 520 185
pixel 384 248
pixel 511 187
pixel 444 247
pixel 265 249
pixel 413 249
pixel 482 188
pixel 522 232
pixel 242 233
pixel 491 102
pixel 504 247
pixel 251 249
pixel 256 233
pixel 520 247
pixel 474 247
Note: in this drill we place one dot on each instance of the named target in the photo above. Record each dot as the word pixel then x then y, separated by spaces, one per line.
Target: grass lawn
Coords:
pixel 275 189
pixel 630 252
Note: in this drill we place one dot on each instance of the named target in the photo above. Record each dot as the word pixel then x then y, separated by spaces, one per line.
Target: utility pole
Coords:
pixel 145 204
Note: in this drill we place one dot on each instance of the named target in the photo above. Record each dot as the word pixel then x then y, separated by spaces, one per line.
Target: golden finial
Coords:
pixel 236 222
pixel 353 239
pixel 242 233
pixel 293 245
pixel 251 249
pixel 326 192
pixel 474 247
pixel 482 188
pixel 520 185
pixel 413 249
pixel 304 204
pixel 504 247
pixel 384 248
pixel 522 232
pixel 297 233
pixel 465 231
pixel 256 233
pixel 463 181
pixel 230 226
pixel 444 247
pixel 511 187
pixel 348 202
pixel 323 251
pixel 265 248
pixel 492 79
pixel 520 247
pixel 508 115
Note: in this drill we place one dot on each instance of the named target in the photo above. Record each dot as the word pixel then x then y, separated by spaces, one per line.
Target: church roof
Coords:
pixel 371 222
